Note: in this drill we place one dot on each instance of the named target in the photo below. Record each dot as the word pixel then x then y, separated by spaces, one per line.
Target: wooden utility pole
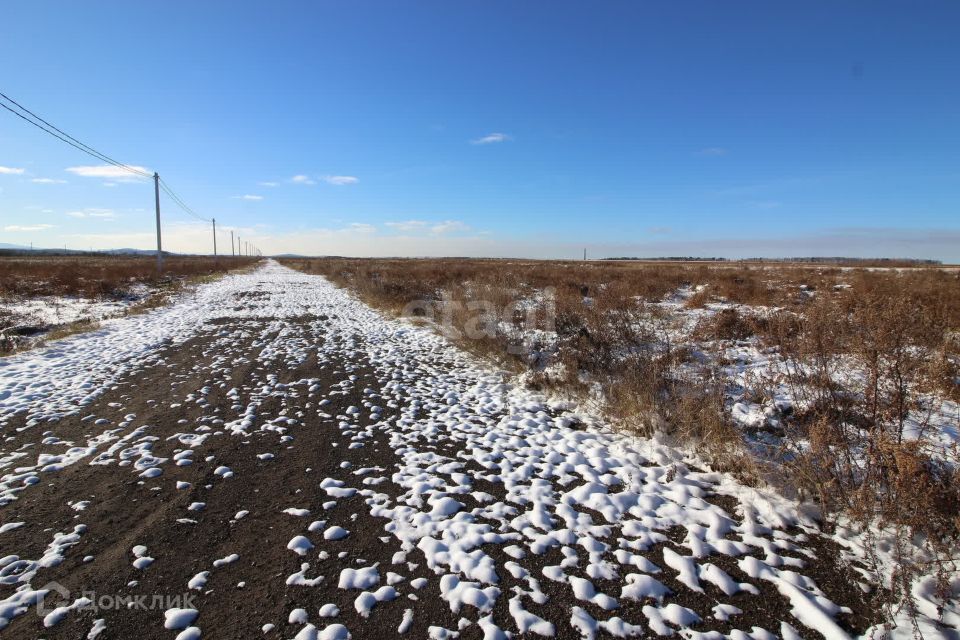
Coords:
pixel 214 220
pixel 156 193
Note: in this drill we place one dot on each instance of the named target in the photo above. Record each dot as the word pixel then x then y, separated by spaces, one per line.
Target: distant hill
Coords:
pixel 135 252
pixel 18 250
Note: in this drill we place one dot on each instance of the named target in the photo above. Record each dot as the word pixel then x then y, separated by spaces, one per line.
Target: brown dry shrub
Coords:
pixel 725 324
pixel 850 444
pixel 943 375
pixel 698 299
pixel 746 286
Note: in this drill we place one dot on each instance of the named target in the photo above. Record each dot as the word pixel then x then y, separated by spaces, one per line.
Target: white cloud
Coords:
pixel 35 227
pixel 269 184
pixel 362 227
pixel 108 171
pixel 93 212
pixel 712 151
pixel 407 226
pixel 449 226
pixel 248 196
pixel 11 171
pixel 302 179
pixel 492 138
pixel 47 181
pixel 415 227
pixel 340 180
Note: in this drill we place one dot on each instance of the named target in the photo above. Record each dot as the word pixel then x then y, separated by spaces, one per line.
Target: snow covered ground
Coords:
pixel 760 383
pixel 22 321
pixel 303 467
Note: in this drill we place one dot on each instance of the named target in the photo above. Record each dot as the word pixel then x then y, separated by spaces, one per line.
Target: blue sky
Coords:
pixel 494 128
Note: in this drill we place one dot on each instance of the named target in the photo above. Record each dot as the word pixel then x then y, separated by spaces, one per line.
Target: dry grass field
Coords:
pixel 100 276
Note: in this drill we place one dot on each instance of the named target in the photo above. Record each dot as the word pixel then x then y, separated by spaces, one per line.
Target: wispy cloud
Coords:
pixel 424 228
pixel 92 212
pixel 47 181
pixel 13 228
pixel 302 179
pixel 108 171
pixel 449 226
pixel 362 227
pixel 269 184
pixel 712 152
pixel 492 138
pixel 248 196
pixel 407 226
pixel 340 180
pixel 11 171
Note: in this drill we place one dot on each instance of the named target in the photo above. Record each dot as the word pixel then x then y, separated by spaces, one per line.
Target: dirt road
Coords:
pixel 271 458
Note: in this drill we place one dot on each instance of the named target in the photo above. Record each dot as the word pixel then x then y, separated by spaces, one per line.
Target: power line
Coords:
pixel 179 201
pixel 63 136
pixel 66 137
pixel 76 146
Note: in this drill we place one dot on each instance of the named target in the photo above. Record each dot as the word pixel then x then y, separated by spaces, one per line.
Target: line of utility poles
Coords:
pixel 245 249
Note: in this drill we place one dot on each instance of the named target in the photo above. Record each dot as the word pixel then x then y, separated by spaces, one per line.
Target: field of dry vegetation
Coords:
pixel 839 385
pixel 47 296
pixel 101 276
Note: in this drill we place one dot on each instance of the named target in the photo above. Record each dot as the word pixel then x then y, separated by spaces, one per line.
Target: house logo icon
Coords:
pixel 54 595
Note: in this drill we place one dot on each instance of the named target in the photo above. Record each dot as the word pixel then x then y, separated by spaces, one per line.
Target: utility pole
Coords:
pixel 156 193
pixel 214 237
pixel 233 254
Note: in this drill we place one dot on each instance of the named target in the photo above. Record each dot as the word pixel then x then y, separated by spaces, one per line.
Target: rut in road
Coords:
pixel 282 461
